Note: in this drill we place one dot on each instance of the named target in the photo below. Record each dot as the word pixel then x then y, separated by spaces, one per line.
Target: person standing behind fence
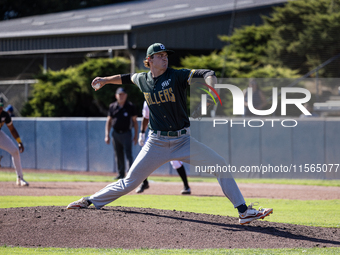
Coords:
pixel 10 110
pixel 121 117
pixel 259 99
pixel 8 145
pixel 176 164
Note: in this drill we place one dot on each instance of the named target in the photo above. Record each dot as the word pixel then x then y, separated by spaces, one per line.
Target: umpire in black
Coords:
pixel 122 116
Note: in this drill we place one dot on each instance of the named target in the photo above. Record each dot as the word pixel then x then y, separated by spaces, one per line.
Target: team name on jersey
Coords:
pixel 162 96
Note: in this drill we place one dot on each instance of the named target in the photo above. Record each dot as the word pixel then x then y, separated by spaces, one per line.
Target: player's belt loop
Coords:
pixel 158 134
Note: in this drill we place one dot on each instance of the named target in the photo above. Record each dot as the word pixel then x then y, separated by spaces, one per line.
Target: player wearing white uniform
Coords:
pixel 178 165
pixel 164 90
pixel 7 144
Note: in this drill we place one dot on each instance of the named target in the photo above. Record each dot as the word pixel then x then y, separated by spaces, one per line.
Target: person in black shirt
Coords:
pixel 8 145
pixel 121 116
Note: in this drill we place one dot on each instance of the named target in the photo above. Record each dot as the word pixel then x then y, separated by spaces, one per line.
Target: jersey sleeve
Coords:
pixel 200 73
pixel 184 76
pixel 145 111
pixel 136 79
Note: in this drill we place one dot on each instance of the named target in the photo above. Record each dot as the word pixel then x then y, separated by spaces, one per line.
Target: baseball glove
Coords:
pixel 197 113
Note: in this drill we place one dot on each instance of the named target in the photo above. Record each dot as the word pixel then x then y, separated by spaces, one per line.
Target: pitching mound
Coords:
pixel 122 227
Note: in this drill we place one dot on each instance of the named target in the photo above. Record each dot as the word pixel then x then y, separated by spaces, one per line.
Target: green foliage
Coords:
pixel 248 43
pixel 296 39
pixel 244 56
pixel 305 34
pixel 68 93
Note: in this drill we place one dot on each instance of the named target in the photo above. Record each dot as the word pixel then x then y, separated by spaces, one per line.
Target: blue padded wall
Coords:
pixel 77 144
pixel 48 143
pixel 101 157
pixel 26 129
pixel 308 146
pixel 74 144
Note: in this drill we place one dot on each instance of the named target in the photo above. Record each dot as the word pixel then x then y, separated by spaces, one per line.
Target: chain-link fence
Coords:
pixel 16 93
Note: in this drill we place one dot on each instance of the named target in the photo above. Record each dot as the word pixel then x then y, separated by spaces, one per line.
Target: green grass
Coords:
pixel 285 211
pixel 89 251
pixel 6 176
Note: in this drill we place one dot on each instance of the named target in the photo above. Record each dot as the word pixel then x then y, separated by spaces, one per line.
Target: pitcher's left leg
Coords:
pixel 197 154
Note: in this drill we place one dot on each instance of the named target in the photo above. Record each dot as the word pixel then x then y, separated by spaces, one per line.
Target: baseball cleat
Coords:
pixel 252 214
pixel 186 191
pixel 79 204
pixel 142 187
pixel 22 183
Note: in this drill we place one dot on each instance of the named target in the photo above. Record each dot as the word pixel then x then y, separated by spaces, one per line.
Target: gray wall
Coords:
pixel 77 144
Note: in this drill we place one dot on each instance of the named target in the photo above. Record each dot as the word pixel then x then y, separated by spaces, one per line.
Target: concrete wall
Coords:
pixel 77 144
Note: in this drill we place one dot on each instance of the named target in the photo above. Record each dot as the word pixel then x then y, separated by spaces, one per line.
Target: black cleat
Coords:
pixel 142 187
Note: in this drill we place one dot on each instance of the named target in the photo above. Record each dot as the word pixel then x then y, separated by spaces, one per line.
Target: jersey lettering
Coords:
pixel 162 96
pixel 155 97
pixel 166 95
pixel 148 98
pixel 172 96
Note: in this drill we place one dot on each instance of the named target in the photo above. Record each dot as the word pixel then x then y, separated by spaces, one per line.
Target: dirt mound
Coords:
pixel 122 227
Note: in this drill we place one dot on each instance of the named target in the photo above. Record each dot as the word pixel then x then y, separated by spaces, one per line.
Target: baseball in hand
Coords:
pixel 96 85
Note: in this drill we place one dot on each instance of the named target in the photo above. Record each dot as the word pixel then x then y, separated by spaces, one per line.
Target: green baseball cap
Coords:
pixel 156 48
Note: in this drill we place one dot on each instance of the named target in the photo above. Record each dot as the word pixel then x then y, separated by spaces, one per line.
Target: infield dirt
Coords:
pixel 122 227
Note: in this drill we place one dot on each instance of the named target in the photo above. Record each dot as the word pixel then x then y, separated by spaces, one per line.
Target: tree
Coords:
pixel 68 93
pixel 244 56
pixel 305 34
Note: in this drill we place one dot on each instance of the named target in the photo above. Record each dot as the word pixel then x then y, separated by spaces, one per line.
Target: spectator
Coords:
pixel 259 100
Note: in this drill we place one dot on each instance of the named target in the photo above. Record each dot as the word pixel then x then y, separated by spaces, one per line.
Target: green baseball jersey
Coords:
pixel 166 97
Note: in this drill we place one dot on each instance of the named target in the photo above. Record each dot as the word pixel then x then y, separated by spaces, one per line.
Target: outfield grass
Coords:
pixel 90 251
pixel 10 176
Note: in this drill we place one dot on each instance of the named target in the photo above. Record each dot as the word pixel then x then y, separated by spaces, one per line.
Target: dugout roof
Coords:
pixel 184 24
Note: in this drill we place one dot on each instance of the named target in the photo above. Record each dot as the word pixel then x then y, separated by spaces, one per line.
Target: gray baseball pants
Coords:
pixel 159 150
pixel 8 145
